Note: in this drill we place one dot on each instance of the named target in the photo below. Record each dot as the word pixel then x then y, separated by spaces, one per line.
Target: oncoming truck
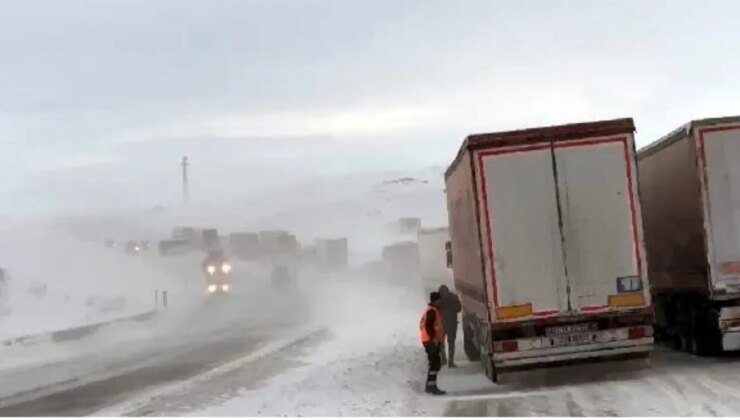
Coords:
pixel 547 246
pixel 690 187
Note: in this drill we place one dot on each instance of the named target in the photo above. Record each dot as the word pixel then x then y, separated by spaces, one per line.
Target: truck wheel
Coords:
pixel 489 368
pixel 471 349
pixel 487 362
pixel 708 336
pixel 686 330
pixel 674 339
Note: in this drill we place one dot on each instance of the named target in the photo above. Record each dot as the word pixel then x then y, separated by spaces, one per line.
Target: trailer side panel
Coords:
pixel 464 235
pixel 673 218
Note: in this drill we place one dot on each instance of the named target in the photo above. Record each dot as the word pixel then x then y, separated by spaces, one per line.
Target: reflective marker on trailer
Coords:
pixel 627 300
pixel 636 333
pixel 516 311
pixel 506 346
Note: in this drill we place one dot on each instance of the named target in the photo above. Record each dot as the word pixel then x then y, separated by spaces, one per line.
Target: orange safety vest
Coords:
pixel 439 330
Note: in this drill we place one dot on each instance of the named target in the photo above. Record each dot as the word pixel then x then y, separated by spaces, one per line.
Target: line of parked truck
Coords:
pixel 568 245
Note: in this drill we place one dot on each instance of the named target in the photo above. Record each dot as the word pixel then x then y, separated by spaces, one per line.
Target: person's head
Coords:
pixel 435 298
pixel 443 290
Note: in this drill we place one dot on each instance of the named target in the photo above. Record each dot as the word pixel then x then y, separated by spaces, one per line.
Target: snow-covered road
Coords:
pixel 122 363
pixel 383 382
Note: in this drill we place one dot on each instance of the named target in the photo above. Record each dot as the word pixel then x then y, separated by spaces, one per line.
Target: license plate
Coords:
pixel 568 329
pixel 572 340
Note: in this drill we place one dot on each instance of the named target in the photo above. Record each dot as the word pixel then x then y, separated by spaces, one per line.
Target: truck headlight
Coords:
pixel 211 269
pixel 211 288
pixel 225 287
pixel 226 268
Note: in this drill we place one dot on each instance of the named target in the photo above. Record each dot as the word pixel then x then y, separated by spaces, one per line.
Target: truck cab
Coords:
pixel 217 271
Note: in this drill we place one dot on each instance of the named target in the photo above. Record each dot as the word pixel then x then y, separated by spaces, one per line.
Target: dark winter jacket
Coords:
pixel 450 307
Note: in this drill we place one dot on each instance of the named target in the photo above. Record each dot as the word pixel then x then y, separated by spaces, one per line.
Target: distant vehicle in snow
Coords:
pixel 279 244
pixel 244 245
pixel 3 281
pixel 332 254
pixel 401 260
pixel 174 247
pixel 133 248
pixel 280 276
pixel 145 245
pixel 217 271
pixel 204 239
pixel 110 243
pixel 409 224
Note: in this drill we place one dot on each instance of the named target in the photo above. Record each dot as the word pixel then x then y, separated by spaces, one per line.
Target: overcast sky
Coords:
pixel 102 97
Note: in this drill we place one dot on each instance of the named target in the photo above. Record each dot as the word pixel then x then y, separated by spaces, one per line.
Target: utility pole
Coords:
pixel 185 191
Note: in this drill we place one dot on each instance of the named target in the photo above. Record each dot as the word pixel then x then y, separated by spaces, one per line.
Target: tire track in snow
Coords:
pixel 151 402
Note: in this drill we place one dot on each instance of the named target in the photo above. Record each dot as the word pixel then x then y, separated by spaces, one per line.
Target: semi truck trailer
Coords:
pixel 690 187
pixel 244 245
pixel 402 262
pixel 547 246
pixel 433 256
pixel 332 254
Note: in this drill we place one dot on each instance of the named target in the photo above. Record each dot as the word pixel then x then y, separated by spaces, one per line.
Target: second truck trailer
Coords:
pixel 690 187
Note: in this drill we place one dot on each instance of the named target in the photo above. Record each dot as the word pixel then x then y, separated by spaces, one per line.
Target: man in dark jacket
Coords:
pixel 450 306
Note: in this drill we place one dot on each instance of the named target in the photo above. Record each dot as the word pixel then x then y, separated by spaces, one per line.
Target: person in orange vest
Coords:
pixel 433 338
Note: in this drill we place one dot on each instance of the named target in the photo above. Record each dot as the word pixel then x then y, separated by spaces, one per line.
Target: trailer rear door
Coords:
pixel 599 210
pixel 720 149
pixel 521 226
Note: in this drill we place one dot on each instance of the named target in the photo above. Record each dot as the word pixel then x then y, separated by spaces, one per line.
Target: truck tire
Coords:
pixel 483 351
pixel 489 368
pixel 471 347
pixel 708 336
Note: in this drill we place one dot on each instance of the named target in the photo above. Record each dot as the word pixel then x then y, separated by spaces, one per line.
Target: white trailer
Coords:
pixel 547 246
pixel 690 184
pixel 433 257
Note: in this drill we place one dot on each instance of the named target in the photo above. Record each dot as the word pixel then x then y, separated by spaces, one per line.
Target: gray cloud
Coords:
pixel 87 85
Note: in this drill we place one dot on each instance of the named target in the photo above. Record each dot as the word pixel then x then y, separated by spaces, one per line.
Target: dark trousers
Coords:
pixel 435 363
pixel 451 338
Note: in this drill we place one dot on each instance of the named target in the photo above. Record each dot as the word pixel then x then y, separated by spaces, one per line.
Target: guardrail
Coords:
pixel 74 333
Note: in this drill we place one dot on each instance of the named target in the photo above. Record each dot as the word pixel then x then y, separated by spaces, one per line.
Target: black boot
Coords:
pixel 431 385
pixel 433 390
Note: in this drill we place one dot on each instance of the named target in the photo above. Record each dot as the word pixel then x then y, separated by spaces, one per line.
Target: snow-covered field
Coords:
pixel 56 281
